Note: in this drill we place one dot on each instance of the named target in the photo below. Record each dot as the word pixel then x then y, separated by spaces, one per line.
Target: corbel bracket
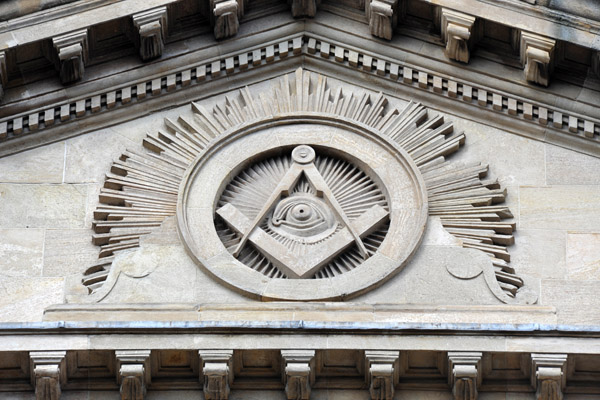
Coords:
pixel 464 374
pixel 537 57
pixel 226 16
pixel 72 51
pixel 299 373
pixel 382 373
pixel 133 373
pixel 457 33
pixel 548 375
pixel 48 373
pixel 217 373
pixel 383 17
pixel 152 30
pixel 304 8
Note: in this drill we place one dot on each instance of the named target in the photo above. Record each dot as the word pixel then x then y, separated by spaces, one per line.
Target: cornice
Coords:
pixel 497 102
pixel 49 27
pixel 542 20
pixel 56 11
pixel 155 335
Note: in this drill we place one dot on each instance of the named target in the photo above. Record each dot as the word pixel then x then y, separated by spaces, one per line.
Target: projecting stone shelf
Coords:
pixel 281 315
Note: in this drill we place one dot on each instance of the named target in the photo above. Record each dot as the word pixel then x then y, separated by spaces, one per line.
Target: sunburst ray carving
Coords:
pixel 141 189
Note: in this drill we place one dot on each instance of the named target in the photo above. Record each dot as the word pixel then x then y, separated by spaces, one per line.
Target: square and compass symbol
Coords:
pixel 309 211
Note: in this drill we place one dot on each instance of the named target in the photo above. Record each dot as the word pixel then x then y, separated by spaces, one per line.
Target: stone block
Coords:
pixel 152 274
pixel 89 157
pixel 560 207
pixel 24 299
pixel 583 256
pixel 21 252
pixel 539 253
pixel 577 302
pixel 426 280
pixel 567 167
pixel 41 165
pixel 513 160
pixel 437 235
pixel 137 129
pixel 42 206
pixel 68 252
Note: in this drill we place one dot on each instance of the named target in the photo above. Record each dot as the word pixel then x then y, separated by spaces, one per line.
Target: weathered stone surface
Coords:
pixel 537 57
pixel 72 55
pixel 68 252
pixel 457 32
pixel 21 252
pixel 560 207
pixel 145 277
pixel 137 129
pixel 583 256
pixel 383 17
pixel 42 206
pixel 425 280
pixel 41 165
pixel 567 167
pixel 512 160
pixel 24 299
pixel 539 252
pixel 577 302
pixel 88 158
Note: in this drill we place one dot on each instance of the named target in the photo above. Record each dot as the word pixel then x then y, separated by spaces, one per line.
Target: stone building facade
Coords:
pixel 269 199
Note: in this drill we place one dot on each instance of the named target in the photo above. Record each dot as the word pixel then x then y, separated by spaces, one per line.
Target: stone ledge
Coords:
pixel 319 315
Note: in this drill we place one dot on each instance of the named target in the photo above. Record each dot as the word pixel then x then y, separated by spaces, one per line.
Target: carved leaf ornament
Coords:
pixel 304 193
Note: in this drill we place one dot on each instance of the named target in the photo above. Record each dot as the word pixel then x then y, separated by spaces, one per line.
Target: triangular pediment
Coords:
pixel 148 249
pixel 236 80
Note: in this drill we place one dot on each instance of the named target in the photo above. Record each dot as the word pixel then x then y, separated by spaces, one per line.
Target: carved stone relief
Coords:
pixel 304 8
pixel 298 374
pixel 457 32
pixel 464 374
pixel 48 373
pixel 72 53
pixel 133 367
pixel 382 373
pixel 305 193
pixel 383 17
pixel 152 30
pixel 537 56
pixel 548 375
pixel 217 373
pixel 330 206
pixel 225 17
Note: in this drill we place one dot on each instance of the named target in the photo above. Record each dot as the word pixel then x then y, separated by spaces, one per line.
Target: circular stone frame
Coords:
pixel 378 156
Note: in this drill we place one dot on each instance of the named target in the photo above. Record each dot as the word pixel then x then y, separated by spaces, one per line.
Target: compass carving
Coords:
pixel 300 213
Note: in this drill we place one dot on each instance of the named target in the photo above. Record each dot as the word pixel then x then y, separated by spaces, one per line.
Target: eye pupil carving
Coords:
pixel 303 217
